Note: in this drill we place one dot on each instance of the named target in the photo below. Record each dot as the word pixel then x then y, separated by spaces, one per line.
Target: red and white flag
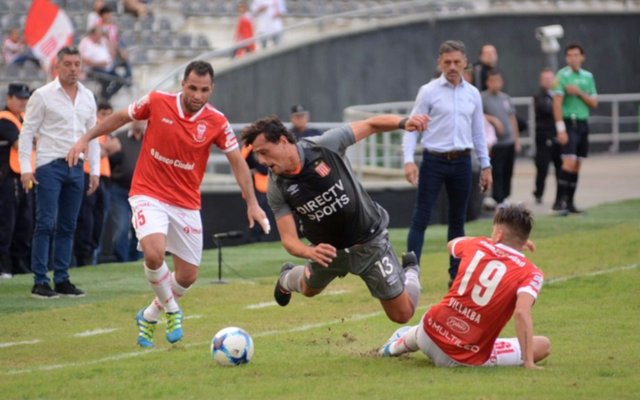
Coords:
pixel 47 30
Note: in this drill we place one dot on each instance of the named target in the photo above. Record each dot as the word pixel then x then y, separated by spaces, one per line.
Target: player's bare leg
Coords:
pixel 541 348
pixel 400 309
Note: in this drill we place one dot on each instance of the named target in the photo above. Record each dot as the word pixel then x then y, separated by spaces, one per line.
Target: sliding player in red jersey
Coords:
pixel 165 191
pixel 494 283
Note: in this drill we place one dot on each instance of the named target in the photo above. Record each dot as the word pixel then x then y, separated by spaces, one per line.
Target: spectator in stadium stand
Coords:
pixel 165 191
pixel 310 179
pixel 547 147
pixel 299 118
pixel 496 282
pixel 267 16
pixel 95 206
pixel 16 51
pixel 123 151
pixel 111 31
pixel 16 204
pixel 93 18
pixel 98 56
pixel 498 106
pixel 452 133
pixel 138 8
pixel 57 114
pixel 487 60
pixel 575 93
pixel 244 30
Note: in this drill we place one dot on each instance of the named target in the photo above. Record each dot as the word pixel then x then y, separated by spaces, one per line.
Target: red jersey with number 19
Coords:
pixel 468 320
pixel 176 148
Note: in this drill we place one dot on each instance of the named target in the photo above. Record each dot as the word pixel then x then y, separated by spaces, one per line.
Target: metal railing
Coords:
pixel 608 126
pixel 382 154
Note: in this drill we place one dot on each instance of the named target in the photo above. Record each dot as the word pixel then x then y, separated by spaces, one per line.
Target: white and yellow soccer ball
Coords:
pixel 232 346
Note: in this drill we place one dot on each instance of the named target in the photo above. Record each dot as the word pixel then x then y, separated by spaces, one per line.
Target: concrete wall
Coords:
pixel 391 64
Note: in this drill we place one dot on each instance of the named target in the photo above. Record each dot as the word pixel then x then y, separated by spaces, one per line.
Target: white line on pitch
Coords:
pixel 195 316
pixel 94 332
pixel 266 304
pixel 356 317
pixel 11 344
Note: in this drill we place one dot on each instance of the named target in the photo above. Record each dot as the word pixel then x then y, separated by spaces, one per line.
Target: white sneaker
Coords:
pixel 6 275
pixel 385 350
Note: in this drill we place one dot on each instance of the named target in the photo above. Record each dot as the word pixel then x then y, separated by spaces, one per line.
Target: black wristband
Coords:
pixel 403 123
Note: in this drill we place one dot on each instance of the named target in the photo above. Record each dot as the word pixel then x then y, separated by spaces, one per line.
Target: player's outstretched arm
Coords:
pixel 388 122
pixel 243 176
pixel 322 253
pixel 108 125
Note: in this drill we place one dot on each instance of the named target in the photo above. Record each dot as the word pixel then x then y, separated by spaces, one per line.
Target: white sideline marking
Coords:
pixel 589 274
pixel 306 327
pixel 99 331
pixel 11 344
pixel 266 304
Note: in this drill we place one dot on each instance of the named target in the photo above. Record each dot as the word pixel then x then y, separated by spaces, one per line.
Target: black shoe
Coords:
pixel 282 296
pixel 560 209
pixel 410 261
pixel 573 210
pixel 68 289
pixel 43 291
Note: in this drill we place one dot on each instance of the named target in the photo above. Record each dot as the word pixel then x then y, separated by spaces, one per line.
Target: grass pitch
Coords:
pixel 325 347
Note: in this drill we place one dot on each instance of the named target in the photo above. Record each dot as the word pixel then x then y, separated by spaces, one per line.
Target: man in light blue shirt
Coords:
pixel 456 127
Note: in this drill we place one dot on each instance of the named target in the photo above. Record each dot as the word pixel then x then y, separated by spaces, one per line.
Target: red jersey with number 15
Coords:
pixel 468 320
pixel 176 148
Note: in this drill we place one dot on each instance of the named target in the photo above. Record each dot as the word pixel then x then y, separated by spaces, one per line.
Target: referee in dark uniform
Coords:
pixel 313 181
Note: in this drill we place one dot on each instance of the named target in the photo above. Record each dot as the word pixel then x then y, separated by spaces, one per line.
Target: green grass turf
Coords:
pixel 325 347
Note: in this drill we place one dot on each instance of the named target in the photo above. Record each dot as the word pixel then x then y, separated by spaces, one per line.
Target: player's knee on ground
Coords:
pixel 541 348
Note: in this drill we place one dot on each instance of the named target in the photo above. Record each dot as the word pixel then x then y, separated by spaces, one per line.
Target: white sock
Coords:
pixel 155 309
pixel 160 281
pixel 291 281
pixel 406 343
pixel 412 285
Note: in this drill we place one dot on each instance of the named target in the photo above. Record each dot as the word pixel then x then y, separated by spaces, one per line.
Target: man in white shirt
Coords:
pixel 456 127
pixel 268 19
pixel 57 115
pixel 99 57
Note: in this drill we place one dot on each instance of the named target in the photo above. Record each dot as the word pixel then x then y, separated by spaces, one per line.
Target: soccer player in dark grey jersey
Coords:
pixel 313 180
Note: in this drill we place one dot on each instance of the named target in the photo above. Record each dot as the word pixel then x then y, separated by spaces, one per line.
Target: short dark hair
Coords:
pixel 67 51
pixel 200 68
pixel 572 46
pixel 449 46
pixel 104 105
pixel 270 126
pixel 517 218
pixel 547 69
pixel 493 72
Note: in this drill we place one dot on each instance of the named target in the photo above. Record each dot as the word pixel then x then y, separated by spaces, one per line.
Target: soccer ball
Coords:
pixel 232 346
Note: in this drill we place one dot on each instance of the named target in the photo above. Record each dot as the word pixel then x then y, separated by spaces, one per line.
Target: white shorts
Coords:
pixel 182 227
pixel 505 353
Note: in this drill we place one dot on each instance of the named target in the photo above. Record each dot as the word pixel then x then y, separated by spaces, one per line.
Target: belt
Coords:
pixel 450 155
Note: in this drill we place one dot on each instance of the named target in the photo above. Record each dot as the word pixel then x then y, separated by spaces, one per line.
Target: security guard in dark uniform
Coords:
pixel 16 205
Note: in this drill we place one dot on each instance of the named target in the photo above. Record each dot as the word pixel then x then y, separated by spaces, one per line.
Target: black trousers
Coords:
pixel 502 159
pixel 16 225
pixel 90 224
pixel 548 150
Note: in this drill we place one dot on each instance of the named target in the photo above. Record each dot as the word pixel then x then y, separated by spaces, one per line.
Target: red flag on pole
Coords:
pixel 47 30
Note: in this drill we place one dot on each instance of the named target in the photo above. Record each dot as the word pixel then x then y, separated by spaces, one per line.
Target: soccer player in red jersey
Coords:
pixel 165 191
pixel 494 283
